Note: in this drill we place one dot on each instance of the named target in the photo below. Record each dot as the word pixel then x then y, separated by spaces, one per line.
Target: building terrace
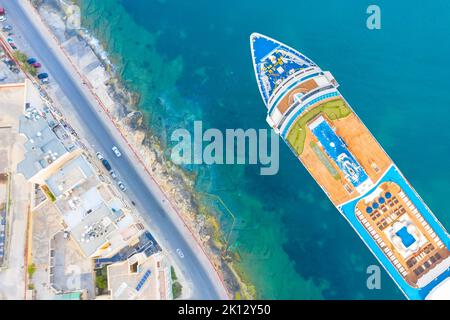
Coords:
pixel 139 277
pixel 96 218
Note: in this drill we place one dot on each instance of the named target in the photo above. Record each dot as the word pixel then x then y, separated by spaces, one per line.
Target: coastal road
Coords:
pixel 164 223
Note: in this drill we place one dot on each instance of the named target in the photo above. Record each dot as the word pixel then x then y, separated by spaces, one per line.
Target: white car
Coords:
pixel 116 151
pixel 180 253
pixel 113 174
pixel 122 186
pixel 99 156
pixel 7 28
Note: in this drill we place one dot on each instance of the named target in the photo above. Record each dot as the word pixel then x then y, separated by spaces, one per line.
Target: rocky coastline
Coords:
pixel 122 104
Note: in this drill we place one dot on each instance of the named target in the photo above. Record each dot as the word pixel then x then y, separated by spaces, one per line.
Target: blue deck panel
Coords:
pixel 348 210
pixel 336 149
pixel 264 46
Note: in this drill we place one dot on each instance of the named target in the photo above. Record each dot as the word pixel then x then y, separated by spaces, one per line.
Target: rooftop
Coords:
pixel 43 146
pixel 135 278
pixel 70 175
pixel 93 213
pixel 93 230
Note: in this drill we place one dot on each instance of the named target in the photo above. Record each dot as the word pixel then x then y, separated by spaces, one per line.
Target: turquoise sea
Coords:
pixel 190 60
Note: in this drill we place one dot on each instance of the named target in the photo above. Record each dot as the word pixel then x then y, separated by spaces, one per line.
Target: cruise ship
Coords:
pixel 305 107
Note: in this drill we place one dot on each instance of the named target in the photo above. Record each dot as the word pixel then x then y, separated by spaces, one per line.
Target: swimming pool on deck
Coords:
pixel 348 210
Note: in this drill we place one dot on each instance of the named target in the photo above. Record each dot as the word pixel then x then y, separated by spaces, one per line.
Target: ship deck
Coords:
pixel 301 88
pixel 351 167
pixel 401 232
pixel 419 260
pixel 358 140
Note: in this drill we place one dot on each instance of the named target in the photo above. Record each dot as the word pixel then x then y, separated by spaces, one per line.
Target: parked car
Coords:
pixel 31 60
pixel 11 43
pixel 116 151
pixel 2 14
pixel 106 165
pixel 100 156
pixel 180 253
pixel 113 174
pixel 7 28
pixel 37 65
pixel 42 76
pixel 122 186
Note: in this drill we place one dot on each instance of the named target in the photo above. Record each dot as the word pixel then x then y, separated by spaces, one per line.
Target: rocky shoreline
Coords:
pixel 122 104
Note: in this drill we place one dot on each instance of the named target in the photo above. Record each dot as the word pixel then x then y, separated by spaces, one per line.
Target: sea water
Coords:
pixel 190 60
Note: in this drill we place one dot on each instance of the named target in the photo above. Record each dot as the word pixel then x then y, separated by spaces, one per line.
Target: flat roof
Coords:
pixel 69 175
pixel 43 146
pixel 93 230
pixel 81 201
pixel 143 284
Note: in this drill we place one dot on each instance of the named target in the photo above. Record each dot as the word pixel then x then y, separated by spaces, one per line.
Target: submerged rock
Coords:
pixel 134 119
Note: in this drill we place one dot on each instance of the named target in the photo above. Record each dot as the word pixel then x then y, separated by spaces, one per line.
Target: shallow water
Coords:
pixel 190 60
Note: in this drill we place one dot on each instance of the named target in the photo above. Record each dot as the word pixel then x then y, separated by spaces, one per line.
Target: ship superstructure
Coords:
pixel 306 109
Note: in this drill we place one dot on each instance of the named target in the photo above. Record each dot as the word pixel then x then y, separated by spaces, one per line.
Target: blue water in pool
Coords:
pixel 406 237
pixel 190 60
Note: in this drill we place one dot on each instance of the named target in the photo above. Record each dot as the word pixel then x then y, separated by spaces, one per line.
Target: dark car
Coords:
pixel 31 60
pixel 106 164
pixel 42 76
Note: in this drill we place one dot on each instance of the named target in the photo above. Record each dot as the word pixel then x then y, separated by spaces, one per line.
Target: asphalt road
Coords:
pixel 166 232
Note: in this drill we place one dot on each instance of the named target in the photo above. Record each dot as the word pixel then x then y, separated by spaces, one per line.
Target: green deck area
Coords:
pixel 334 110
